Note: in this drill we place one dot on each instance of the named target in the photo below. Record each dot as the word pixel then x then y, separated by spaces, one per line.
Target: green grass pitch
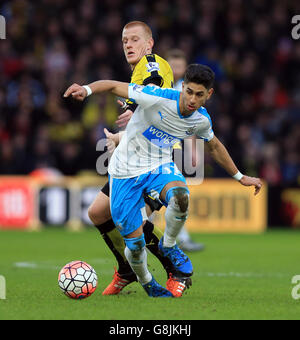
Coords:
pixel 235 277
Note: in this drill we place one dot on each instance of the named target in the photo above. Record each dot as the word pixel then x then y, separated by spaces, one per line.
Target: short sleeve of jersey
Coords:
pixel 143 95
pixel 153 69
pixel 205 131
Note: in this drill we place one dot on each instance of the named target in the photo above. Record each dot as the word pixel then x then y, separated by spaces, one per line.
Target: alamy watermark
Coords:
pixel 2 288
pixel 2 27
pixel 296 289
pixel 189 158
pixel 296 29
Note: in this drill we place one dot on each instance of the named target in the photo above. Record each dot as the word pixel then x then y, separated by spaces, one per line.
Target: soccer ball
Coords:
pixel 77 280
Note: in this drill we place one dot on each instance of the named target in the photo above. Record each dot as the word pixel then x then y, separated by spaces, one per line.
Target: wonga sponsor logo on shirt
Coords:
pixel 160 138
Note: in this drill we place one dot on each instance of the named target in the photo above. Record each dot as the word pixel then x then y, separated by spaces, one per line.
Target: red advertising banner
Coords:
pixel 16 203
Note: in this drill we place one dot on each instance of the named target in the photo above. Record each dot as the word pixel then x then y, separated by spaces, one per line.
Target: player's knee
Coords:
pixel 178 197
pixel 97 216
pixel 92 214
pixel 183 201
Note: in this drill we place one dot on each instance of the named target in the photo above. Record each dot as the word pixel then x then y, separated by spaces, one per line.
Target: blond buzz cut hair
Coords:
pixel 146 28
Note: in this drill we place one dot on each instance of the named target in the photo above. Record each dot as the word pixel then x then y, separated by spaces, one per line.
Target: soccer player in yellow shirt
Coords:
pixel 147 68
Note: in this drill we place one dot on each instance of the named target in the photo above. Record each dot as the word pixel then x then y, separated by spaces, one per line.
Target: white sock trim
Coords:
pixel 168 241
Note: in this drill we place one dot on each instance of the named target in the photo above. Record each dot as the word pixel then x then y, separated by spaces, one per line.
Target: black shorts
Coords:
pixel 105 189
pixel 153 204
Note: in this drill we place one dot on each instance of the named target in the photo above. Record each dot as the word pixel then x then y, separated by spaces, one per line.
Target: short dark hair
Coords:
pixel 200 74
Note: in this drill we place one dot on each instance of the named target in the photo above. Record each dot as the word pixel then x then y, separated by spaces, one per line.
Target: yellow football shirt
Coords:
pixel 152 69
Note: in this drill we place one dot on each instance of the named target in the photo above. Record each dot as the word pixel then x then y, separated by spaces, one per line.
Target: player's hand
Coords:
pixel 124 118
pixel 249 181
pixel 110 143
pixel 76 91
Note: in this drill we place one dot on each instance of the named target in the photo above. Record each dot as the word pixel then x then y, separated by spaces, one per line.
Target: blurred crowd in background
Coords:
pixel 51 44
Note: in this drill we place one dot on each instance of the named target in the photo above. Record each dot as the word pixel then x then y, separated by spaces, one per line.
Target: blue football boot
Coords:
pixel 154 289
pixel 182 264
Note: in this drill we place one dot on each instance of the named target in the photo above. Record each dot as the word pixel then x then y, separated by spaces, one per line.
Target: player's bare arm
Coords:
pixel 120 89
pixel 220 154
pixel 79 92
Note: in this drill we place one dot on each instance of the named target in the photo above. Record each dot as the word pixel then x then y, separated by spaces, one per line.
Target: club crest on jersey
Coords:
pixel 191 130
pixel 160 138
pixel 152 66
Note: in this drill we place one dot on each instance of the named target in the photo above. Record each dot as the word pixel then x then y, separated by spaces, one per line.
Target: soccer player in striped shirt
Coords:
pixel 142 162
pixel 147 68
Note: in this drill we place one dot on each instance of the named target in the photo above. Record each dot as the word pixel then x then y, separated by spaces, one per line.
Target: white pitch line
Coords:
pixel 35 265
pixel 247 275
pixel 57 267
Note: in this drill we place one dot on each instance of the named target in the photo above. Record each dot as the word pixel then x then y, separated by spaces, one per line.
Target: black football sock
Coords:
pixel 116 244
pixel 152 237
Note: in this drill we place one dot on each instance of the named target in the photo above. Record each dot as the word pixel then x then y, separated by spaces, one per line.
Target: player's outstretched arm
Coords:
pixel 81 92
pixel 220 154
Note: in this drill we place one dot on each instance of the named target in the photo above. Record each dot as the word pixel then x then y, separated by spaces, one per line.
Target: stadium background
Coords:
pixel 255 108
pixel 255 111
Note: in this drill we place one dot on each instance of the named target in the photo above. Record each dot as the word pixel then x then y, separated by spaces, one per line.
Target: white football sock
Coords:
pixel 138 263
pixel 175 220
